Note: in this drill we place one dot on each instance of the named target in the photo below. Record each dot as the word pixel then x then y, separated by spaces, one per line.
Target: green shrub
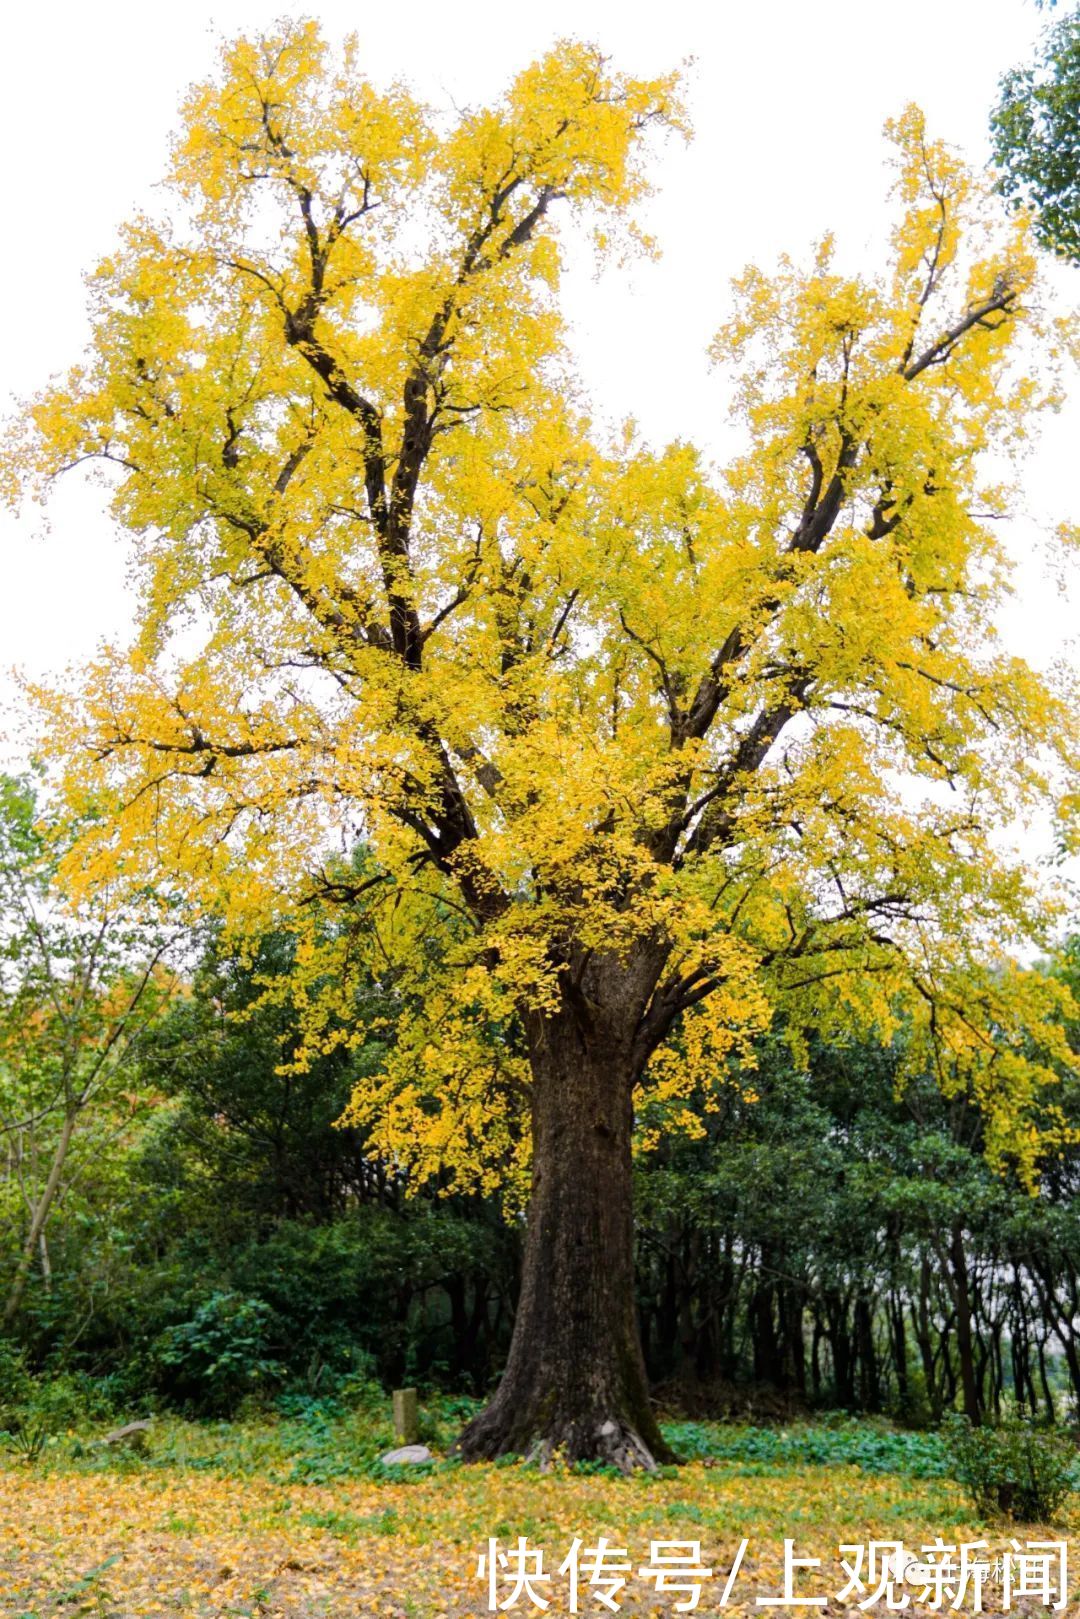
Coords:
pixel 71 1400
pixel 1015 1468
pixel 846 1441
pixel 15 1382
pixel 221 1356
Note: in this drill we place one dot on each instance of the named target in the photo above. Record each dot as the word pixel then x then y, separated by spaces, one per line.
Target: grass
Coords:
pixel 316 1442
pixel 293 1517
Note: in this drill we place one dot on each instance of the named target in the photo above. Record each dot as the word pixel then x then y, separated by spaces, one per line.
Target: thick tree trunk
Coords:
pixel 575 1375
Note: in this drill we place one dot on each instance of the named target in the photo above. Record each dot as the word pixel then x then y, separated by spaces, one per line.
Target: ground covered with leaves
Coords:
pixel 297 1519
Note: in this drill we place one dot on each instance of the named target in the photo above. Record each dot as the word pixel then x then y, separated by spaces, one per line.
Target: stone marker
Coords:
pixel 406 1456
pixel 406 1423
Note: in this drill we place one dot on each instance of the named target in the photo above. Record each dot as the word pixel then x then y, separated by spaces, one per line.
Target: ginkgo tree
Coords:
pixel 639 754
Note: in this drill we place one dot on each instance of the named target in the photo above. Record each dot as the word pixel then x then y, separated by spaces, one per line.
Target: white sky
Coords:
pixel 788 100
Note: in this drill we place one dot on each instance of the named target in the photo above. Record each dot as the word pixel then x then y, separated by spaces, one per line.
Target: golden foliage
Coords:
pixel 579 700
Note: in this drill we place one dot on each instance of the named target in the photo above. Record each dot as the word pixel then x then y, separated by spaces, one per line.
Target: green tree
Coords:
pixel 80 982
pixel 1036 134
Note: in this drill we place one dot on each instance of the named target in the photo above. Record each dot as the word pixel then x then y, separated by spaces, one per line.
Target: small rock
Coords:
pixel 407 1455
pixel 132 1433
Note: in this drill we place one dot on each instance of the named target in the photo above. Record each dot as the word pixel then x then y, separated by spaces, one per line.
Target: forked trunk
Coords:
pixel 575 1376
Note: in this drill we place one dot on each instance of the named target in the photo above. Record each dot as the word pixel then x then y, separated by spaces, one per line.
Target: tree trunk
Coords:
pixel 899 1349
pixel 575 1375
pixel 815 1358
pixel 1051 1415
pixel 959 1285
pixel 42 1210
pixel 794 1338
pixel 768 1367
pixel 836 1315
pixel 869 1381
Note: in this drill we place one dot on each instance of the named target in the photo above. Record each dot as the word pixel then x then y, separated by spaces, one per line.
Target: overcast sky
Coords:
pixel 788 100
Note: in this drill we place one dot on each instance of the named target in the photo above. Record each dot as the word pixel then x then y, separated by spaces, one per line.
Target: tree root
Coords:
pixel 609 1441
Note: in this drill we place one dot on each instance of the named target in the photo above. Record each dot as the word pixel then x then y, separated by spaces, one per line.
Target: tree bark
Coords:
pixel 899 1349
pixel 575 1379
pixel 869 1379
pixel 768 1365
pixel 924 1339
pixel 955 1268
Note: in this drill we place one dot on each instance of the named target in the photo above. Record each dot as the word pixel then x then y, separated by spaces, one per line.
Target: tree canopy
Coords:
pixel 539 672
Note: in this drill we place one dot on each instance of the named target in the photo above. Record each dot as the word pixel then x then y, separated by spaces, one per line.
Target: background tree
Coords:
pixel 270 1201
pixel 817 1243
pixel 269 1135
pixel 79 985
pixel 1036 133
pixel 833 1244
pixel 626 737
